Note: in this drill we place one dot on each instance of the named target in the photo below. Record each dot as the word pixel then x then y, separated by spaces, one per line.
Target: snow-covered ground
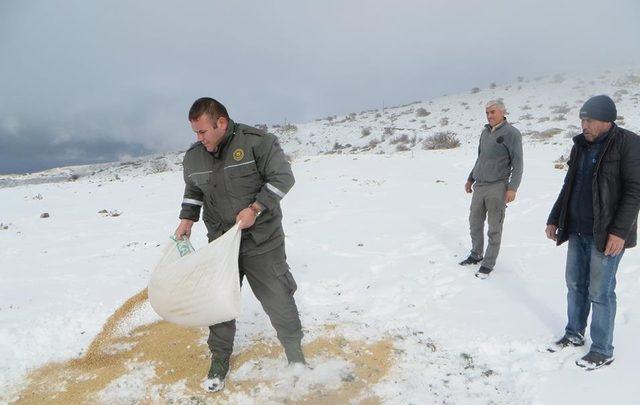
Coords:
pixel 373 241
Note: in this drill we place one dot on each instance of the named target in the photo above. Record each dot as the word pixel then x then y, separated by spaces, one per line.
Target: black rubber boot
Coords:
pixel 217 374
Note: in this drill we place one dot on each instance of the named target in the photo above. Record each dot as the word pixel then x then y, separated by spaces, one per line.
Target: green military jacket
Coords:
pixel 249 165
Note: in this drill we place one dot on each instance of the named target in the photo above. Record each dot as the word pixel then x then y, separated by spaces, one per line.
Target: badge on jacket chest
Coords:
pixel 238 155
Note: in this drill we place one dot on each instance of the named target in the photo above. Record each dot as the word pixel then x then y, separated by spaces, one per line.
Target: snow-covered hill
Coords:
pixel 545 109
pixel 373 241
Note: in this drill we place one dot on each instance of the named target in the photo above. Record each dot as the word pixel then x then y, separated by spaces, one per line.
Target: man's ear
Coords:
pixel 223 123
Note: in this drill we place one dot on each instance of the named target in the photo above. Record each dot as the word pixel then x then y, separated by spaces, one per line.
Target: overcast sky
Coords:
pixel 87 81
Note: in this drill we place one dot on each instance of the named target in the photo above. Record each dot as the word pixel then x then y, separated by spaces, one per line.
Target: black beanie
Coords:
pixel 600 108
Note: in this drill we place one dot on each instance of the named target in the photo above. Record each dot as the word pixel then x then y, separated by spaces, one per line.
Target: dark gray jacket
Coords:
pixel 248 166
pixel 499 157
pixel 615 188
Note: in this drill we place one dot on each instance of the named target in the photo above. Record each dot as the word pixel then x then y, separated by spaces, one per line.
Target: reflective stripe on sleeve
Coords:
pixel 192 202
pixel 275 190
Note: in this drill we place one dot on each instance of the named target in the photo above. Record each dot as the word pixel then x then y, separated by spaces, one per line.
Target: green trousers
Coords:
pixel 487 204
pixel 272 283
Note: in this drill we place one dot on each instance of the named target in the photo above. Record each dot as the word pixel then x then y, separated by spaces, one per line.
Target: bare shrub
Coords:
pixel 264 127
pixel 287 128
pixel 629 80
pixel 158 166
pixel 526 117
pixel 560 109
pixel 441 140
pixel 422 112
pixel 444 121
pixel 493 86
pixel 546 134
pixel 404 138
pixel 366 131
pixel 372 144
pixel 571 133
pixel 475 90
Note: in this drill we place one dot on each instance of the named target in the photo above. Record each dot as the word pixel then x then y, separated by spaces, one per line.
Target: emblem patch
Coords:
pixel 238 155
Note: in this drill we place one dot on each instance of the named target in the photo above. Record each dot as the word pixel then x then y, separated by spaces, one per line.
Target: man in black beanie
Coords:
pixel 597 212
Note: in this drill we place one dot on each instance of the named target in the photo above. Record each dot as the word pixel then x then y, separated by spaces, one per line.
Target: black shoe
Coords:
pixel 565 342
pixel 470 260
pixel 217 374
pixel 483 272
pixel 594 360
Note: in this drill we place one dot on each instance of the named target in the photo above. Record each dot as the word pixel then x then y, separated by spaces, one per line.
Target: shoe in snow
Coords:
pixel 470 260
pixel 566 341
pixel 594 360
pixel 217 375
pixel 483 272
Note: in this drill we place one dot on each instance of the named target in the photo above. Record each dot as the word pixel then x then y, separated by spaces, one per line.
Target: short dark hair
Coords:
pixel 209 106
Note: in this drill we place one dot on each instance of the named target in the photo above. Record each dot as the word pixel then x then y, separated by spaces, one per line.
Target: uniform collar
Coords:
pixel 231 129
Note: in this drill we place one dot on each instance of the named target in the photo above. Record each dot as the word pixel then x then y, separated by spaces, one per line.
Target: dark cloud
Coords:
pixel 34 149
pixel 129 71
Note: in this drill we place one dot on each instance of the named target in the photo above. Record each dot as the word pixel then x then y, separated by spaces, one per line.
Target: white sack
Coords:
pixel 202 287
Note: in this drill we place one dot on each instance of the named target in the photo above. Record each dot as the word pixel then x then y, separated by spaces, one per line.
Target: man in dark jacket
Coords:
pixel 597 212
pixel 239 174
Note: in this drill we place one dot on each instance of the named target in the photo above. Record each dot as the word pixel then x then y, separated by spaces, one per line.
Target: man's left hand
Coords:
pixel 615 245
pixel 246 218
pixel 509 196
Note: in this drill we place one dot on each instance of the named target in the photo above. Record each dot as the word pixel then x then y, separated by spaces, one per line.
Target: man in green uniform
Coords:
pixel 239 174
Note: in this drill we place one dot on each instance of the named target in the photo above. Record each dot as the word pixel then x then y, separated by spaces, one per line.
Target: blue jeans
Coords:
pixel 591 281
